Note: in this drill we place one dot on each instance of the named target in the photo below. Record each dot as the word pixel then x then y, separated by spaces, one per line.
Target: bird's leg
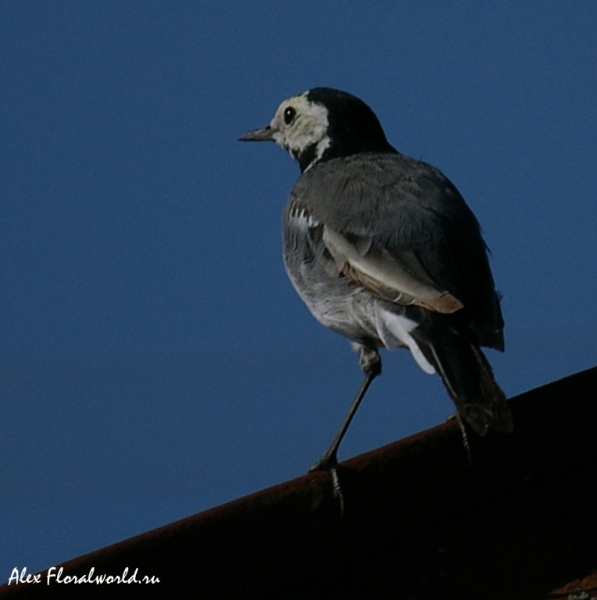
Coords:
pixel 371 364
pixel 329 460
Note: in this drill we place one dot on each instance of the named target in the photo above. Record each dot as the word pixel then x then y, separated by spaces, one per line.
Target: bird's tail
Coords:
pixel 467 375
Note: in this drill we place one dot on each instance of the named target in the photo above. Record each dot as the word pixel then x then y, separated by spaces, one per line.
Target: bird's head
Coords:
pixel 321 124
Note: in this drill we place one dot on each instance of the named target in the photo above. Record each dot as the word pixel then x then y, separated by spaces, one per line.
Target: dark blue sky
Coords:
pixel 155 361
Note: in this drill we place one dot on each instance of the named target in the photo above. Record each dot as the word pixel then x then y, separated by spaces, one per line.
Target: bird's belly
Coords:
pixel 333 299
pixel 347 308
pixel 343 311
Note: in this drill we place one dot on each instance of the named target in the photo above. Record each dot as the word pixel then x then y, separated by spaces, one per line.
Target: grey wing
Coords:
pixel 400 229
pixel 393 277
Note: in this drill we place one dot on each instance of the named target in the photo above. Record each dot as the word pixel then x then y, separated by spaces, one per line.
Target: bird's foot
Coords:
pixel 329 462
pixel 337 489
pixel 464 433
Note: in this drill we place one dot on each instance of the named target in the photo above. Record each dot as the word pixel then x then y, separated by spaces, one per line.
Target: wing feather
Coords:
pixel 386 276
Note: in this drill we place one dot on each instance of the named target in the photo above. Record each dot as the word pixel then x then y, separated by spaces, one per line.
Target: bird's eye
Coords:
pixel 289 114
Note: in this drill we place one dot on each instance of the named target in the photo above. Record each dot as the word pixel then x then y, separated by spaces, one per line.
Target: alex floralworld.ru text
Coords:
pixel 57 576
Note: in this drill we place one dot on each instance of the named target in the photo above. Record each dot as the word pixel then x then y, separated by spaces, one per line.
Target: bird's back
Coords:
pixel 408 209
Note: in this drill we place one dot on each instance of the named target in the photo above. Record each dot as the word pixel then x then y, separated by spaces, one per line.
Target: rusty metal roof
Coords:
pixel 419 522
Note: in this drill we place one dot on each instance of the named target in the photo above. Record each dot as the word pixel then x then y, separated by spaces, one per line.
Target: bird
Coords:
pixel 384 250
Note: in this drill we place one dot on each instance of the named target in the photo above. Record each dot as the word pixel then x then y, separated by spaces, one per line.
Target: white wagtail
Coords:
pixel 383 249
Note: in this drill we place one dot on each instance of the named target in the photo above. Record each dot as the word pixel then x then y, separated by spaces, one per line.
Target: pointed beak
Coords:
pixel 265 134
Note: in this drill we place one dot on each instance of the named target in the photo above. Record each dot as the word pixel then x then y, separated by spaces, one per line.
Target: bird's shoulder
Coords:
pixel 380 194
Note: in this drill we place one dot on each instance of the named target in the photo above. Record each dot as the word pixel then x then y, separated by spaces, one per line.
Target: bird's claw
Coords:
pixel 337 489
pixel 329 462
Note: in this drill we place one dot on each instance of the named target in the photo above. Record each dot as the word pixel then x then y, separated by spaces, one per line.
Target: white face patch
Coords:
pixel 307 127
